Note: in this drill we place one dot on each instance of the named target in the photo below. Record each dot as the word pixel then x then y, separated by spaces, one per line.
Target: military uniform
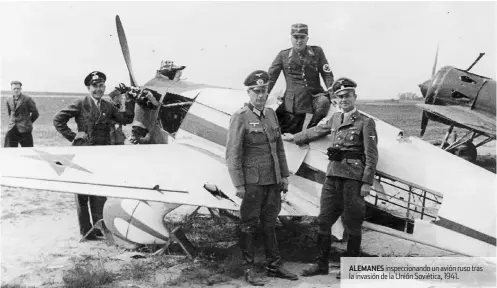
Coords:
pixel 256 161
pixel 354 155
pixel 96 120
pixel 301 70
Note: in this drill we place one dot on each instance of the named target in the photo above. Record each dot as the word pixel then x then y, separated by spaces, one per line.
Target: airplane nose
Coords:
pixel 424 87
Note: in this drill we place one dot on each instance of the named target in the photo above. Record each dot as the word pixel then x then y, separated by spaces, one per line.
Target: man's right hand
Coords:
pixel 323 121
pixel 240 191
pixel 81 135
pixel 287 137
pixel 325 94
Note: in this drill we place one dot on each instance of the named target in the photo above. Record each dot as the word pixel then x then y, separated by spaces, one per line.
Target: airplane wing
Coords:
pixel 467 118
pixel 173 173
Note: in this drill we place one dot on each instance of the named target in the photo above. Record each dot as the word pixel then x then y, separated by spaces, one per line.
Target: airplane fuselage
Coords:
pixel 452 86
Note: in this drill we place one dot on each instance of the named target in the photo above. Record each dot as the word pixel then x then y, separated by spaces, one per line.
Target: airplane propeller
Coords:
pixel 424 87
pixel 125 49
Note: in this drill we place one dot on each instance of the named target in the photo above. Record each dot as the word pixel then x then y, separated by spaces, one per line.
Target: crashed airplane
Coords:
pixel 420 192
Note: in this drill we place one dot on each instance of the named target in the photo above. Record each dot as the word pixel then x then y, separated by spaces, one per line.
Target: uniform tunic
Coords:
pixel 256 160
pixel 96 122
pixel 302 77
pixel 341 189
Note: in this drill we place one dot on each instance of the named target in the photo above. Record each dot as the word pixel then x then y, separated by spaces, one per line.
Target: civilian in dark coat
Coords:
pixel 22 114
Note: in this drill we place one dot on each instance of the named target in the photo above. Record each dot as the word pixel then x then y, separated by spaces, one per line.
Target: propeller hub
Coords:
pixel 424 87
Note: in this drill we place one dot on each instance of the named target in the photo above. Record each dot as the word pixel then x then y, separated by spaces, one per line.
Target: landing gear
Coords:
pixel 464 146
pixel 467 151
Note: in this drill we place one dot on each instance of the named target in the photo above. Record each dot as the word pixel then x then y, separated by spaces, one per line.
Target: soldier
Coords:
pixel 258 168
pixel 304 95
pixel 22 113
pixel 94 118
pixel 171 71
pixel 117 136
pixel 353 157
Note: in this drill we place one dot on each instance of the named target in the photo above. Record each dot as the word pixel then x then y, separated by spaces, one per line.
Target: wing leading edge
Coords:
pixel 467 118
pixel 172 173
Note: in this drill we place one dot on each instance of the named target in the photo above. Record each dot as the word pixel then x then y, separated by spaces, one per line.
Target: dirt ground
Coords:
pixel 40 241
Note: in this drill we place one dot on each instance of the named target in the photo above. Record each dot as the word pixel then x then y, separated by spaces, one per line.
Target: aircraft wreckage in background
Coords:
pixel 416 193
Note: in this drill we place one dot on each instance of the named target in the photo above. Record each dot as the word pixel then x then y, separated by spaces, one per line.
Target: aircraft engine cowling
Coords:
pixel 452 86
pixel 137 221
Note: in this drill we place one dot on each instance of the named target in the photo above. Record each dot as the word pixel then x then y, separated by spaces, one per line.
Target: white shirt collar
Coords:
pixel 256 111
pixel 95 100
pixel 347 114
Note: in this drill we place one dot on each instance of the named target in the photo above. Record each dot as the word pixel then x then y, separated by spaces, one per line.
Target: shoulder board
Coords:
pixel 268 110
pixel 242 110
pixel 316 48
pixel 363 116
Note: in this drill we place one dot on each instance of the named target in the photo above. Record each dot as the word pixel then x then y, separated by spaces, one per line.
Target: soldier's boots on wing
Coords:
pixel 281 272
pixel 252 278
pixel 321 267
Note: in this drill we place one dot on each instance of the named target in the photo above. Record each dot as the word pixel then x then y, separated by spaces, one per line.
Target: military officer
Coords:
pixel 258 168
pixel 302 64
pixel 353 157
pixel 94 118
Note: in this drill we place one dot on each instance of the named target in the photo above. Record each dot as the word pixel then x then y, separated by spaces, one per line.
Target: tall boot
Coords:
pixel 321 266
pixel 245 241
pixel 274 267
pixel 353 248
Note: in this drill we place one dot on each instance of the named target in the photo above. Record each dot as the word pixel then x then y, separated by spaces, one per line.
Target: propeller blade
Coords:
pixel 424 123
pixel 424 87
pixel 435 64
pixel 125 49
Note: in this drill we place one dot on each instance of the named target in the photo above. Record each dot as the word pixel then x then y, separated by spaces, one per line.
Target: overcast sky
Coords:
pixel 387 47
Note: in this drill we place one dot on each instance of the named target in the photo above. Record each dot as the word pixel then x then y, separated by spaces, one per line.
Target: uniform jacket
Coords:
pixel 23 114
pixel 96 123
pixel 254 148
pixel 357 134
pixel 302 77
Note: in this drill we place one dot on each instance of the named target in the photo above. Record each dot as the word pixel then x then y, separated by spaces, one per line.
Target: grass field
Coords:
pixel 37 254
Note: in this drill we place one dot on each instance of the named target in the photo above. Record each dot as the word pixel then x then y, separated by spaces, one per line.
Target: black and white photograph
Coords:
pixel 246 143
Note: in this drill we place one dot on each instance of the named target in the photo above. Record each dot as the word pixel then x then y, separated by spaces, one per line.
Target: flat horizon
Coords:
pixel 74 94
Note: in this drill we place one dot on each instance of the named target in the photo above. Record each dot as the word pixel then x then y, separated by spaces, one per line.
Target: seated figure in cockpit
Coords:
pixel 171 71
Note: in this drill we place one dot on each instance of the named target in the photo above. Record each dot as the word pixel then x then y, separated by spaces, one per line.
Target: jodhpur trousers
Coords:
pixel 293 123
pixel 341 196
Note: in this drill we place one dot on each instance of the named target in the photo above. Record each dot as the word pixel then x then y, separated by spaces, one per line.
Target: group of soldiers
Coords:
pixel 254 150
pixel 257 162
